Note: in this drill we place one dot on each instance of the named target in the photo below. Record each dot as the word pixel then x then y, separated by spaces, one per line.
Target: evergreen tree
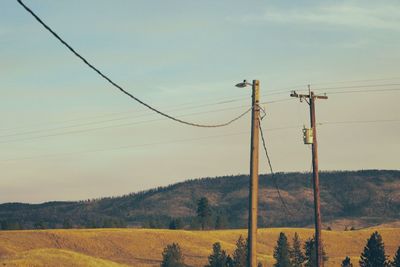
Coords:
pixel 281 252
pixel 11 225
pixel 347 262
pixel 172 256
pixel 194 223
pixel 229 261
pixel 67 224
pixel 40 225
pixel 91 223
pixel 203 212
pixel 374 252
pixel 218 258
pixel 296 254
pixel 107 223
pixel 153 223
pixel 172 225
pixel 396 259
pixel 175 224
pixel 221 222
pixel 240 253
pixel 310 255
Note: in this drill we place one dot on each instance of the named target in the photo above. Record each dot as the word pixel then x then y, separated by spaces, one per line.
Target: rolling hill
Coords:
pixel 143 247
pixel 349 198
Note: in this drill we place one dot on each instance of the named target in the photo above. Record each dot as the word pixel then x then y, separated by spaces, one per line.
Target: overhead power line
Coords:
pixel 125 147
pixel 163 113
pixel 138 145
pixel 120 88
pixel 103 127
pixel 357 86
pixel 77 131
pixel 113 120
pixel 290 88
pixel 122 118
pixel 191 139
pixel 358 81
pixel 358 121
pixel 344 91
pixel 272 171
pixel 364 91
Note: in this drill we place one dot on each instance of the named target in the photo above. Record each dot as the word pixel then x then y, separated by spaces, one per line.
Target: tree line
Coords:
pixel 98 222
pixel 206 218
pixel 285 254
pixel 173 256
pixel 367 195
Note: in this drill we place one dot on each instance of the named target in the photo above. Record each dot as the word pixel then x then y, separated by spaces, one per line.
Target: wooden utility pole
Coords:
pixel 317 205
pixel 253 192
pixel 253 187
pixel 310 99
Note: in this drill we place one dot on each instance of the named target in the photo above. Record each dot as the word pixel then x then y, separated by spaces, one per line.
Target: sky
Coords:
pixel 67 134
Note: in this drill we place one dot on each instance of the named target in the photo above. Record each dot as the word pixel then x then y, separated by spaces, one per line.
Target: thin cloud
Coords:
pixel 377 17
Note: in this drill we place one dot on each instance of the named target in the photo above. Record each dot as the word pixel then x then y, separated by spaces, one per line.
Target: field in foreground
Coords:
pixel 143 247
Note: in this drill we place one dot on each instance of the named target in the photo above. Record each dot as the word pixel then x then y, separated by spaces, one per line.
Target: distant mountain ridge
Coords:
pixel 354 198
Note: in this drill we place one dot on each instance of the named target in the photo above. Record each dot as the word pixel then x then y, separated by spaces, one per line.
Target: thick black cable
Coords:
pixel 111 120
pixel 118 86
pixel 141 114
pixel 97 128
pixel 272 171
pixel 139 145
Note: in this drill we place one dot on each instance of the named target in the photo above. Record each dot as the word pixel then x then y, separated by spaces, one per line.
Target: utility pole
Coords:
pixel 310 137
pixel 253 187
pixel 253 192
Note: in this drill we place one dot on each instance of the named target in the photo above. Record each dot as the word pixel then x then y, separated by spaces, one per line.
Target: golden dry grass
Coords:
pixel 56 257
pixel 143 247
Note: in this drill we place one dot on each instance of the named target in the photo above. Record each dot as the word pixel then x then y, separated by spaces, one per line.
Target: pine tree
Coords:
pixel 67 224
pixel 172 256
pixel 396 259
pixel 296 254
pixel 218 258
pixel 281 252
pixel 40 225
pixel 374 252
pixel 229 261
pixel 203 212
pixel 347 262
pixel 175 224
pixel 310 255
pixel 240 253
pixel 221 222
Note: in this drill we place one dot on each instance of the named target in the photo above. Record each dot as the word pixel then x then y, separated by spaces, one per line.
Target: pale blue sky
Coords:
pixel 63 127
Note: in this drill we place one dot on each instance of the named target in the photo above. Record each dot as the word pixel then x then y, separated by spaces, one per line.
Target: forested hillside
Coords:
pixel 351 198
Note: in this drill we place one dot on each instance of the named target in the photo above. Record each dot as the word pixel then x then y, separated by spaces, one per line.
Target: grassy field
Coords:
pixel 143 247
